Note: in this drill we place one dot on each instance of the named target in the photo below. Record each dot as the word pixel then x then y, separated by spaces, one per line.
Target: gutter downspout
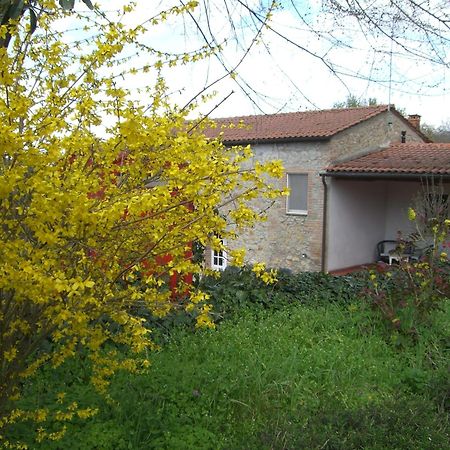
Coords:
pixel 324 223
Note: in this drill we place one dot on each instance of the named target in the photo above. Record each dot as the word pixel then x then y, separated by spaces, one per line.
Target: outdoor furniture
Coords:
pixel 384 248
pixel 390 251
pixel 399 257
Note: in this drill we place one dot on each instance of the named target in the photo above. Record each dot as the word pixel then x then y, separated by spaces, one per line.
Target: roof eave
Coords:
pixel 385 175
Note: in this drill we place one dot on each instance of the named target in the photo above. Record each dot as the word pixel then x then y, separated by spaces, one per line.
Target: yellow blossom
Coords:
pixel 258 268
pixel 237 257
pixel 102 198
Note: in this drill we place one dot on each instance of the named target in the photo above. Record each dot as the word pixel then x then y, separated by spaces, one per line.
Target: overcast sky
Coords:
pixel 278 75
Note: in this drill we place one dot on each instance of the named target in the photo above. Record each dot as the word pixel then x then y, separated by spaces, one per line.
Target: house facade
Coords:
pixel 331 219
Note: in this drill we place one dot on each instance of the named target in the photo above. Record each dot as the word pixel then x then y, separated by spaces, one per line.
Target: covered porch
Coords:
pixel 367 200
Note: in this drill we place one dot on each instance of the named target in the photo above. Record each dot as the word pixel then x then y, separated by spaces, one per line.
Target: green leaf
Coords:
pixel 33 21
pixel 67 5
pixel 88 3
pixel 16 9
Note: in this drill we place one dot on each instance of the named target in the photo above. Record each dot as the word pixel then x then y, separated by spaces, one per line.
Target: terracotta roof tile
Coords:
pixel 410 158
pixel 297 125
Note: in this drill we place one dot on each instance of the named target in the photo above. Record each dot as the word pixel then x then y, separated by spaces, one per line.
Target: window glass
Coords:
pixel 218 259
pixel 297 201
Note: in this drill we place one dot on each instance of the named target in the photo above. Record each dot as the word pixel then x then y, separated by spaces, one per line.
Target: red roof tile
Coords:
pixel 407 158
pixel 293 126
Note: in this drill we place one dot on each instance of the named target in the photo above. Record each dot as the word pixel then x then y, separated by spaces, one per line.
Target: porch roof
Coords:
pixel 401 159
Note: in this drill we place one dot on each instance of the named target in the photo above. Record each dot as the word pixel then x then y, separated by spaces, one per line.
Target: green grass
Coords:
pixel 298 378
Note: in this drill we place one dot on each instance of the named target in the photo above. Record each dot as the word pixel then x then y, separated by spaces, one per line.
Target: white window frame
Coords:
pixel 221 259
pixel 297 212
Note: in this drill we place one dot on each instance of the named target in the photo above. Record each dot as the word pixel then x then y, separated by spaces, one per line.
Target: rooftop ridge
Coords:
pixel 308 111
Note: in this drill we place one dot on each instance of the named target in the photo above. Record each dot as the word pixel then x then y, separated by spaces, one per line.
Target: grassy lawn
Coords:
pixel 297 377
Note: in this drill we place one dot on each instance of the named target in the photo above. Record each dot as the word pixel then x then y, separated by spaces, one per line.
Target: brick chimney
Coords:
pixel 414 120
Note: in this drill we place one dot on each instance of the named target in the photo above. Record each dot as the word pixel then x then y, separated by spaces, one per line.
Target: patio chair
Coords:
pixel 390 251
pixel 384 248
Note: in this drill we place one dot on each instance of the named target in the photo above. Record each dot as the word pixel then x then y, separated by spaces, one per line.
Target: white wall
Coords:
pixel 400 195
pixel 355 222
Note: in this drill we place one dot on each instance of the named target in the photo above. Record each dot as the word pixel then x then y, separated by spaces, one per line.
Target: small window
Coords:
pixel 297 201
pixel 218 259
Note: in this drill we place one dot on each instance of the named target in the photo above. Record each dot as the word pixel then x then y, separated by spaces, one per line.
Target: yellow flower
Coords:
pixel 258 268
pixel 60 397
pixel 237 257
pixel 10 354
pixel 41 415
pixel 86 413
pixel 98 224
pixel 269 277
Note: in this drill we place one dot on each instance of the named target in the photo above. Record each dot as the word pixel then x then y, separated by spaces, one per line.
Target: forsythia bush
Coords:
pixel 97 190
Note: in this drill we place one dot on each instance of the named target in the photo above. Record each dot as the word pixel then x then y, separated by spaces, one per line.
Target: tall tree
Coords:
pixel 420 29
pixel 383 37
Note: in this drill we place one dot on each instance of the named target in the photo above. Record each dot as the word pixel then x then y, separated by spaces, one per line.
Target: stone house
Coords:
pixel 352 174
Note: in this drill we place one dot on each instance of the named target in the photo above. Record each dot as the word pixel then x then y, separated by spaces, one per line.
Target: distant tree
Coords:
pixel 352 101
pixel 437 134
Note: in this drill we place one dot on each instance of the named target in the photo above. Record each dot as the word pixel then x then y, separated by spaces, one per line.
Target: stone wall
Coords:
pixel 369 136
pixel 289 240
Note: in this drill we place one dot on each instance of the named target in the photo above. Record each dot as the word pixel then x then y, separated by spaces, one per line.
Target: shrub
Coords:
pixel 404 296
pixel 238 288
pixel 97 187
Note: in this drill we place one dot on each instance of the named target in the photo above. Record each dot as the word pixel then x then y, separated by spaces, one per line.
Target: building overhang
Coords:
pixel 445 177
